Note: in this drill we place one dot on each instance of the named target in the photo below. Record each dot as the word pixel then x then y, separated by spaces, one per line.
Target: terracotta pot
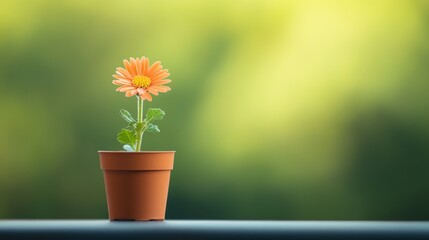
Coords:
pixel 136 183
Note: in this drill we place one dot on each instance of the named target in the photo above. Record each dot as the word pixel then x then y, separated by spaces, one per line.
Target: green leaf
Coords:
pixel 127 116
pixel 126 136
pixel 154 114
pixel 128 148
pixel 152 128
pixel 139 126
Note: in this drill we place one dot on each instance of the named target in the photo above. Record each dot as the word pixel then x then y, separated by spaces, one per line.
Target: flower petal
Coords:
pixel 145 63
pixel 120 77
pixel 160 88
pixel 153 91
pixel 160 76
pixel 154 68
pixel 131 93
pixel 138 66
pixel 125 88
pixel 121 82
pixel 134 65
pixel 158 71
pixel 141 65
pixel 140 91
pixel 160 82
pixel 129 67
pixel 124 72
pixel 147 96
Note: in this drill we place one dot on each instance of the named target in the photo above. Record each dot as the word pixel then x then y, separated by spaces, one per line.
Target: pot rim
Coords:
pixel 126 152
pixel 147 160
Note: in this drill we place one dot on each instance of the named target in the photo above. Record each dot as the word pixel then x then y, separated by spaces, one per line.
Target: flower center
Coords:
pixel 141 81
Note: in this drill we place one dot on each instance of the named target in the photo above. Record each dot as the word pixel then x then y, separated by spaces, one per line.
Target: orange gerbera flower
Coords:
pixel 140 79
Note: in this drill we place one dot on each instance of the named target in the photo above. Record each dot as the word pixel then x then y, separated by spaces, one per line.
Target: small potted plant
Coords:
pixel 137 181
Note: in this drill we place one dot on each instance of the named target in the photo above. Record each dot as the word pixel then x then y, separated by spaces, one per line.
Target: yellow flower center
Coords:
pixel 141 81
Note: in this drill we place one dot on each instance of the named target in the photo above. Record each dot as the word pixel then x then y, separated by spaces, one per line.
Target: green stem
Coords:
pixel 139 120
pixel 138 109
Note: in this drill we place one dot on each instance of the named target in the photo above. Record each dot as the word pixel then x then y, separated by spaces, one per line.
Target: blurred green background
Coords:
pixel 278 109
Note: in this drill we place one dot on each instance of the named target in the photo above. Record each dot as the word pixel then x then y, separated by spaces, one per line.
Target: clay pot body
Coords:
pixel 136 183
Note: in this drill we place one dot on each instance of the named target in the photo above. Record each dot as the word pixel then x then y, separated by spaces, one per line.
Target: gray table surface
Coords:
pixel 207 229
